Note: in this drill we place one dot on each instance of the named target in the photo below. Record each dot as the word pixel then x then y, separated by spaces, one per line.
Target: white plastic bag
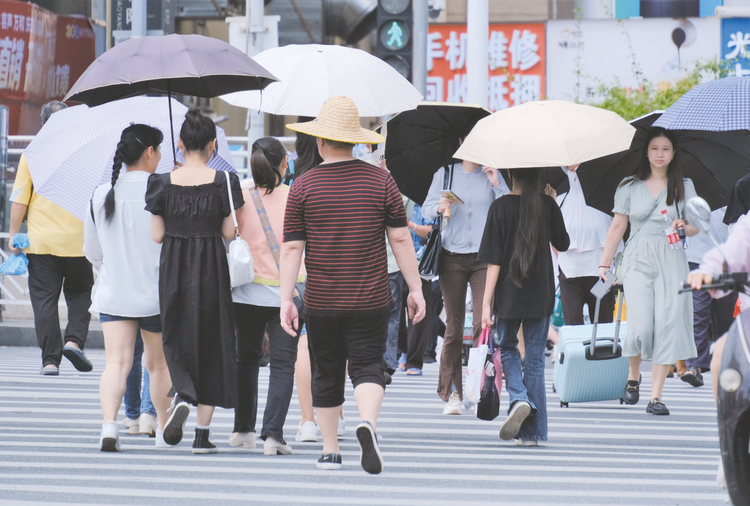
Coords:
pixel 240 263
pixel 475 373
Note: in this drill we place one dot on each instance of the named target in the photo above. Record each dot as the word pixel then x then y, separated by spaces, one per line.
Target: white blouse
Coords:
pixel 123 250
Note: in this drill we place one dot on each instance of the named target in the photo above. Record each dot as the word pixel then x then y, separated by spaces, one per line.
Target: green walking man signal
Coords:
pixel 395 32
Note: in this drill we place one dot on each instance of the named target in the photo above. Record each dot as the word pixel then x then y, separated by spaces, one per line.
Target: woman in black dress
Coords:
pixel 520 227
pixel 191 217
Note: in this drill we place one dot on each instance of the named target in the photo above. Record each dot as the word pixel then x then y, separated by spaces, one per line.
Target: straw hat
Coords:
pixel 338 120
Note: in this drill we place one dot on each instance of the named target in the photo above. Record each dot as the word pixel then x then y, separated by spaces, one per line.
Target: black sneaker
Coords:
pixel 176 422
pixel 201 444
pixel 631 395
pixel 330 461
pixel 371 459
pixel 78 358
pixel 656 407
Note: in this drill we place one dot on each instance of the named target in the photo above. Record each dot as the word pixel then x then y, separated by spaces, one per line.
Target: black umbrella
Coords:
pixel 422 140
pixel 713 160
pixel 182 64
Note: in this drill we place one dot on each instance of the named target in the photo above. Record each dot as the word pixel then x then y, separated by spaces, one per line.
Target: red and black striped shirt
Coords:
pixel 341 211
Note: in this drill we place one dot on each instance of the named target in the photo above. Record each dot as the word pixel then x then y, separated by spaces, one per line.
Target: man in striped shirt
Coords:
pixel 337 214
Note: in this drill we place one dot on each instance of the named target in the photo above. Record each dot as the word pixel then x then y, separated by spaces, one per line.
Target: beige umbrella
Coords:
pixel 545 134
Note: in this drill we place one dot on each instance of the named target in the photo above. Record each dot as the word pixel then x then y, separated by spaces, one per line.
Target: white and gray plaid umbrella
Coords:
pixel 73 153
pixel 716 106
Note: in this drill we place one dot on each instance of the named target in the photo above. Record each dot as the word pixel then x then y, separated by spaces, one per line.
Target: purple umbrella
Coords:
pixel 183 64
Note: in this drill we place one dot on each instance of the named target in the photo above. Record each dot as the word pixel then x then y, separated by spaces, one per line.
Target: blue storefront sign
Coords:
pixel 735 44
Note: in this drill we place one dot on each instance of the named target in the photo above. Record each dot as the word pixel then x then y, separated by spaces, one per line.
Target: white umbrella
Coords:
pixel 545 134
pixel 73 152
pixel 311 74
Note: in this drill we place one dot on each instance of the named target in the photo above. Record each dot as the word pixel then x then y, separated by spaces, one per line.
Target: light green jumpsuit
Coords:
pixel 660 321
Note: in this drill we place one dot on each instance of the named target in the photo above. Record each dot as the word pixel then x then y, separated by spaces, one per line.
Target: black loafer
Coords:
pixel 630 395
pixel 78 359
pixel 656 407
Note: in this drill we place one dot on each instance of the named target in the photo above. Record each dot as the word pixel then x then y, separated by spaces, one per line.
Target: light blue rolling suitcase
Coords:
pixel 589 365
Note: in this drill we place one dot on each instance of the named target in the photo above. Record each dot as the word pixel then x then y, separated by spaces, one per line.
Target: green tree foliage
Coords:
pixel 633 103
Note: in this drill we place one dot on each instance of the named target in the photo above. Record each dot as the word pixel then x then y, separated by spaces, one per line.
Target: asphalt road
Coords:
pixel 599 453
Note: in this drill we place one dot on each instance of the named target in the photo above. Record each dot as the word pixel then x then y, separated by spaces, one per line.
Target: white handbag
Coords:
pixel 239 258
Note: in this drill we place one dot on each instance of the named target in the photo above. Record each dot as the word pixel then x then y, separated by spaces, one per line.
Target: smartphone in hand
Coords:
pixel 601 287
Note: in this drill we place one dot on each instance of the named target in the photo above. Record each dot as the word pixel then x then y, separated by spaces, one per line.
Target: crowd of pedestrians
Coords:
pixel 337 288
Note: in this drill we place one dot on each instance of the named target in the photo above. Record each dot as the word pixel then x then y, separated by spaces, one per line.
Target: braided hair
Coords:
pixel 135 140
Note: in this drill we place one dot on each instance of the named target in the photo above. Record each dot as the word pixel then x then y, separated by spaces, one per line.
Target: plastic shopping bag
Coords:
pixel 16 265
pixel 475 368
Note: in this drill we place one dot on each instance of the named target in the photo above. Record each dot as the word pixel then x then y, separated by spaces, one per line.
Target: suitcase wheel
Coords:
pixel 563 404
pixel 554 390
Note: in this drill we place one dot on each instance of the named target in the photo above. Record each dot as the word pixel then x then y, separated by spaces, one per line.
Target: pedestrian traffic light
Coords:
pixel 394 24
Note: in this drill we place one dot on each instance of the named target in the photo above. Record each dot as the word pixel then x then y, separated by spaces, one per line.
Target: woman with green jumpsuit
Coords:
pixel 660 321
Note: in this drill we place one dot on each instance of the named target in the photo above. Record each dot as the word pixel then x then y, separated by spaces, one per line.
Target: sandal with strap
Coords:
pixel 693 376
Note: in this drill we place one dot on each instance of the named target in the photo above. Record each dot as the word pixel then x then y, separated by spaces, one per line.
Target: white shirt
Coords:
pixel 587 228
pixel 123 251
pixel 701 244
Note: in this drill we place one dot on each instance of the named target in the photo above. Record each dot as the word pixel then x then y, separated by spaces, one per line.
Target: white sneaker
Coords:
pixel 526 442
pixel 147 425
pixel 453 406
pixel 307 432
pixel 133 425
pixel 273 447
pixel 160 443
pixel 244 439
pixel 110 438
pixel 512 424
pixel 341 431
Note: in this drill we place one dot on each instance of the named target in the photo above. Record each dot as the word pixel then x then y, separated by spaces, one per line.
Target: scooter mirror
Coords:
pixel 698 214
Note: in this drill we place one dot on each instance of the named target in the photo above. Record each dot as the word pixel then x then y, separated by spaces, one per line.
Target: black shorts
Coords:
pixel 147 323
pixel 335 339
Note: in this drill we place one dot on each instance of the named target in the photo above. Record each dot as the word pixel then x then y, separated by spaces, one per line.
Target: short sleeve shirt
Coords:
pixel 52 230
pixel 341 210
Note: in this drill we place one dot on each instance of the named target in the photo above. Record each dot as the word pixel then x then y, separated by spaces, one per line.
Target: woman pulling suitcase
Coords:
pixel 660 321
pixel 520 226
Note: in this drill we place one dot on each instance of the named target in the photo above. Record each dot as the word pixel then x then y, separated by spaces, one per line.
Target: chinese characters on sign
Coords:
pixel 735 41
pixel 516 61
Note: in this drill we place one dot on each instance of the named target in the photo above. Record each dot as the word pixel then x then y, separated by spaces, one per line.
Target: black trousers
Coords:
pixel 251 323
pixel 48 276
pixel 417 332
pixel 437 326
pixel 575 292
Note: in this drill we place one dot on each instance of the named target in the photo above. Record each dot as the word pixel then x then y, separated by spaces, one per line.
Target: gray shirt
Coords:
pixel 462 233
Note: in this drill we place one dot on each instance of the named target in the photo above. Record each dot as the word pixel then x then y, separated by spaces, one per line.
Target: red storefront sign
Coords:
pixel 516 61
pixel 41 56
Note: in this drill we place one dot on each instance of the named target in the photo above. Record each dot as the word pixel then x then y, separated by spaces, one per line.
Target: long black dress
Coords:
pixel 194 291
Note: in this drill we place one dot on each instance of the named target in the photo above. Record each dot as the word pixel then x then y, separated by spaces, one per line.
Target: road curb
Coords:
pixel 22 333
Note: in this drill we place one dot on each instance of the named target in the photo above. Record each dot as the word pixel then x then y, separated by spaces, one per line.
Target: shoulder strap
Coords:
pixel 656 204
pixel 231 205
pixel 448 177
pixel 267 228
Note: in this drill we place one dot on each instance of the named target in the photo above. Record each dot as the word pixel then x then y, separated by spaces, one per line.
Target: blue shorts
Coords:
pixel 147 323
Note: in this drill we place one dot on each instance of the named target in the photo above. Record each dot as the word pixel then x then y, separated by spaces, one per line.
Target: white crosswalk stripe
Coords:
pixel 598 453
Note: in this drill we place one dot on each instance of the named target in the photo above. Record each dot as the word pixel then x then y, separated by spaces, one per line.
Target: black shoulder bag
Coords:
pixel 428 265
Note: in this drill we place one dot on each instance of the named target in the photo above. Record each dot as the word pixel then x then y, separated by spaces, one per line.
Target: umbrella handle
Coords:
pixel 447 213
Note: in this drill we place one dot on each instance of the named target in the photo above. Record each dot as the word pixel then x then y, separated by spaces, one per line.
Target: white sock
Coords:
pixel 202 426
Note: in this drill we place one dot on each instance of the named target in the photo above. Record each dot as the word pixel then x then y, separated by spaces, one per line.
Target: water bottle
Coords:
pixel 672 236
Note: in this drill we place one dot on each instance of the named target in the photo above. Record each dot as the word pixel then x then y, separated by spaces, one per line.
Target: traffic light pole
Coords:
pixel 477 68
pixel 419 48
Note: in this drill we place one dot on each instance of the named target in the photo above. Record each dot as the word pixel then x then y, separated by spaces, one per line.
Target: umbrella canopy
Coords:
pixel 183 64
pixel 545 134
pixel 311 74
pixel 718 106
pixel 713 160
pixel 421 141
pixel 73 152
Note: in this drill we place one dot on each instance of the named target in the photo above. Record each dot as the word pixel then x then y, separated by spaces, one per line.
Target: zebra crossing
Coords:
pixel 598 453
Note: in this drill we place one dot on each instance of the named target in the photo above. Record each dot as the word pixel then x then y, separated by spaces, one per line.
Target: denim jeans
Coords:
pixel 251 323
pixel 135 402
pixel 391 344
pixel 526 385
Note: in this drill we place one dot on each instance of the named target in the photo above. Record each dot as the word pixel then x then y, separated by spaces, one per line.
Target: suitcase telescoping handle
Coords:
pixel 592 348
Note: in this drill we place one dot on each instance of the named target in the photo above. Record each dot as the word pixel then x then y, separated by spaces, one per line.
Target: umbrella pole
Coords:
pixel 171 125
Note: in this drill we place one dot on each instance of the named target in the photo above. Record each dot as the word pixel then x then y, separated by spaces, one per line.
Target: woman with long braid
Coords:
pixel 117 240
